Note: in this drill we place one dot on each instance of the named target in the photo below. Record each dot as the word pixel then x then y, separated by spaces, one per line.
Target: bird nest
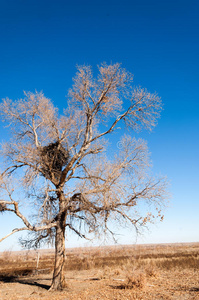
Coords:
pixel 53 158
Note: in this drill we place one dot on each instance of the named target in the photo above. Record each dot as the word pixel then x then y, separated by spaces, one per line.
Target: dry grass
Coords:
pixel 121 268
pixel 135 280
pixel 151 271
pixel 152 258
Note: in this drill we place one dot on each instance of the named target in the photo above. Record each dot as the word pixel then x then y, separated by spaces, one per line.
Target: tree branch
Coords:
pixel 13 231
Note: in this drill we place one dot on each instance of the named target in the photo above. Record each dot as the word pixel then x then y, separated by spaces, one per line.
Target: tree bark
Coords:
pixel 58 282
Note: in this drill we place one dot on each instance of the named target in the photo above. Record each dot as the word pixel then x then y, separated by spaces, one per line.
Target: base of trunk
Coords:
pixel 58 284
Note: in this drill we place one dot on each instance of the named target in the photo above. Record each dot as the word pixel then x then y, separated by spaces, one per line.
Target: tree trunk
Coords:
pixel 58 282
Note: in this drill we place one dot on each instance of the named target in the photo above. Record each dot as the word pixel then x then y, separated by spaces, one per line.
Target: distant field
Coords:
pixel 164 271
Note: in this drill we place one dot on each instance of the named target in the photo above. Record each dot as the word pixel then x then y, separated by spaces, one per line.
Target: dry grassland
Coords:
pixel 169 271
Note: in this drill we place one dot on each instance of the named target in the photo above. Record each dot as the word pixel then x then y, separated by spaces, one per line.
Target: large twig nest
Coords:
pixel 53 158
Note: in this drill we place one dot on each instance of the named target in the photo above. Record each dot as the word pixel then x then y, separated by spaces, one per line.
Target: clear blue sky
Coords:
pixel 158 41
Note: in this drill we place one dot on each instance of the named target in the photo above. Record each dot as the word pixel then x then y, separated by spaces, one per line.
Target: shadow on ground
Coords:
pixel 11 278
pixel 118 287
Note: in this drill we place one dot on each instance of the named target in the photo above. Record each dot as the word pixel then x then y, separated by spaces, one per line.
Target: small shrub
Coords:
pixel 136 280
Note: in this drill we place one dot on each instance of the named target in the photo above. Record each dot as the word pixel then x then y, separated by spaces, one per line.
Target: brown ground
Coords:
pixel 130 272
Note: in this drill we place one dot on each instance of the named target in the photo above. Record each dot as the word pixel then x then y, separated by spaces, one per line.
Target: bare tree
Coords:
pixel 63 166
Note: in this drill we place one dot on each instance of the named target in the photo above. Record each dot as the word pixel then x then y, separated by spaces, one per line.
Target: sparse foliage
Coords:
pixel 63 165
